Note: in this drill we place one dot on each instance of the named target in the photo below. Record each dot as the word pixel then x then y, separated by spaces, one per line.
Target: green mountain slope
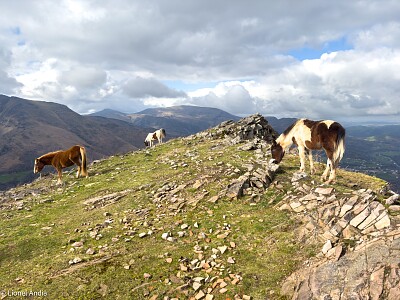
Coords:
pixel 160 223
pixel 29 129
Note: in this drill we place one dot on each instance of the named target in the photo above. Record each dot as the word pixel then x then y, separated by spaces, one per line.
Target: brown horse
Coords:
pixel 313 135
pixel 62 159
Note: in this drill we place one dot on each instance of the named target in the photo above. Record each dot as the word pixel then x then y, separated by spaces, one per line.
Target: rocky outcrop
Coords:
pixel 360 256
pixel 254 182
pixel 253 129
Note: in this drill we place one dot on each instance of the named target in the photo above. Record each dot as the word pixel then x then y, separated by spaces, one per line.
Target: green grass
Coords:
pixel 14 177
pixel 35 247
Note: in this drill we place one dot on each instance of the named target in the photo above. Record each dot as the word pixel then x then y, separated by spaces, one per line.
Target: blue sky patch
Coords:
pixel 15 30
pixel 188 86
pixel 315 53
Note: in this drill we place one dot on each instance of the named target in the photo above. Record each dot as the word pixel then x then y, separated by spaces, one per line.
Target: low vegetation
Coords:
pixel 153 223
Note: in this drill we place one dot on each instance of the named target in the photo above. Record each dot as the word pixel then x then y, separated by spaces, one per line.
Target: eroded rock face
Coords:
pixel 360 256
pixel 371 272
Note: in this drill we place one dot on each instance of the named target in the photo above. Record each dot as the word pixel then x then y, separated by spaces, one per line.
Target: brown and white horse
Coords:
pixel 155 136
pixel 313 135
pixel 62 159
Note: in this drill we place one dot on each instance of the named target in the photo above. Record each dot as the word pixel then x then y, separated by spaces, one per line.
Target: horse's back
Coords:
pixel 329 127
pixel 64 156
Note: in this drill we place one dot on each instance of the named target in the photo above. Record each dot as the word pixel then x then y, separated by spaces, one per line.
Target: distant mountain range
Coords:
pixel 180 120
pixel 31 128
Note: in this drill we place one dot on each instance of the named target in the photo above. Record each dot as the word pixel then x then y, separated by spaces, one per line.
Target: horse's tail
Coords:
pixel 339 146
pixel 84 161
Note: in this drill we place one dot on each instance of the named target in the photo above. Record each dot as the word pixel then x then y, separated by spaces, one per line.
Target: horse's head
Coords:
pixel 38 166
pixel 146 143
pixel 277 152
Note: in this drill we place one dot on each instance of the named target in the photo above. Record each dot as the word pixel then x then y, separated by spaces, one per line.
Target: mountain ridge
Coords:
pixel 202 216
pixel 181 120
pixel 368 148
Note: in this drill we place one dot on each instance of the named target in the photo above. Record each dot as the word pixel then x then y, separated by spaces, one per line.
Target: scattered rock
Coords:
pixel 74 261
pixel 392 199
pixel 222 249
pixel 230 260
pixel 90 251
pixel 327 246
pixel 77 244
pixel 324 191
pixel 147 276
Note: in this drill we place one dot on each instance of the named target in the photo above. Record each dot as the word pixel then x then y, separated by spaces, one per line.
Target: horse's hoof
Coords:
pixel 330 181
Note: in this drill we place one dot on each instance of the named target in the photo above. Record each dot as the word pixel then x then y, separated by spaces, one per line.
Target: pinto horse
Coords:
pixel 155 136
pixel 313 135
pixel 62 159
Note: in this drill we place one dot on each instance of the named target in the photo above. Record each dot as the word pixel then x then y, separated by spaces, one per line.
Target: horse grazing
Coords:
pixel 313 135
pixel 62 159
pixel 157 135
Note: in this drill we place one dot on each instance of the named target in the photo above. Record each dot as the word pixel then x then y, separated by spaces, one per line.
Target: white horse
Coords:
pixel 157 135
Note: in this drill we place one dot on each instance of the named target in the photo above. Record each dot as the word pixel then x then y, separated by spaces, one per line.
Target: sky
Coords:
pixel 315 59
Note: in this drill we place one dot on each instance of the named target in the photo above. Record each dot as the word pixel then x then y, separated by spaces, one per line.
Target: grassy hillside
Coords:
pixel 156 223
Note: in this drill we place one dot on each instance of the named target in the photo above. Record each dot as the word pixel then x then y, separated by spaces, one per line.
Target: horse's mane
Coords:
pixel 287 130
pixel 50 154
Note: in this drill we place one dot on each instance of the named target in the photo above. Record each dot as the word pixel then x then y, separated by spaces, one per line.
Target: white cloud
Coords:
pixel 140 87
pixel 94 55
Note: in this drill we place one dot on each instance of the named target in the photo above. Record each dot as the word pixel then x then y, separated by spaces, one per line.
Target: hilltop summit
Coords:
pixel 203 217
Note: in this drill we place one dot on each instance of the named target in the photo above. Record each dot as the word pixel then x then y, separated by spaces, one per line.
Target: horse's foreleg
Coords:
pixel 302 158
pixel 310 158
pixel 79 172
pixel 327 169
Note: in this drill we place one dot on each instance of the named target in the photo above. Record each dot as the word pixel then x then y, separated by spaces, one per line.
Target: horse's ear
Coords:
pixel 273 143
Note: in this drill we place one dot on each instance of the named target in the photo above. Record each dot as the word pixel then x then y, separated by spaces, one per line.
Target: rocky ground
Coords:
pixel 356 229
pixel 360 256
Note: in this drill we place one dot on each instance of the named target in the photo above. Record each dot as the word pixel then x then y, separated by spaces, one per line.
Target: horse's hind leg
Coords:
pixel 77 162
pixel 332 176
pixel 327 169
pixel 330 166
pixel 59 171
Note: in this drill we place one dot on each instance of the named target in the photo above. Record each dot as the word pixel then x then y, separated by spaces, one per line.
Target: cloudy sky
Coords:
pixel 311 58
